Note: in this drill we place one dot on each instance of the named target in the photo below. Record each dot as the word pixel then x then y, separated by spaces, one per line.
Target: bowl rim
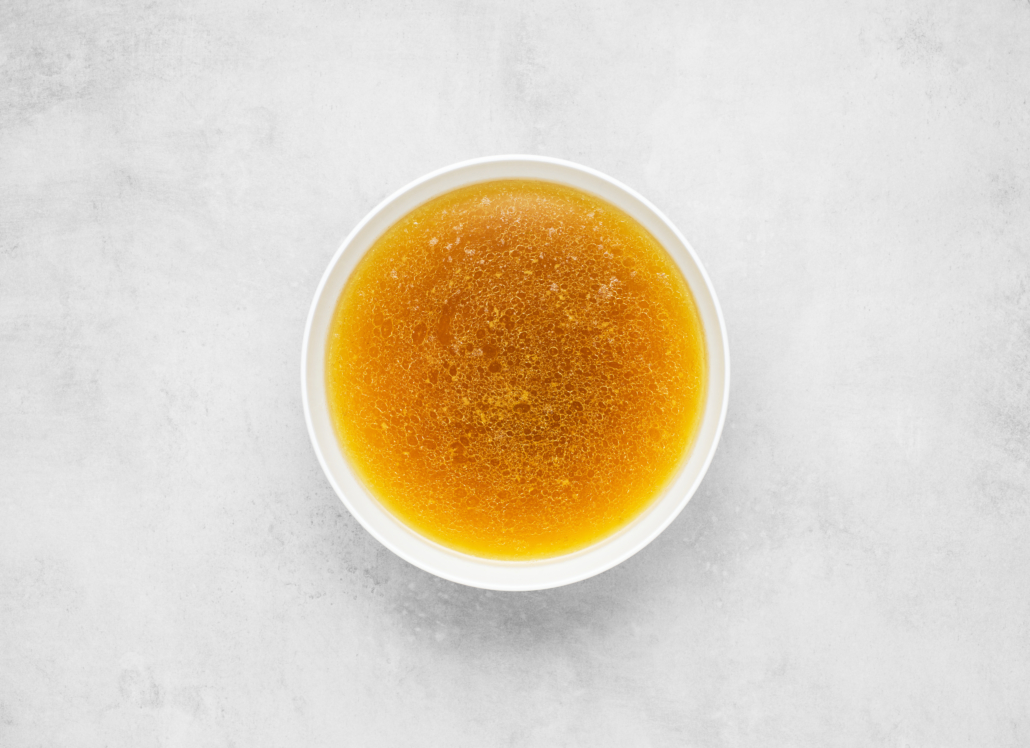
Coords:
pixel 476 571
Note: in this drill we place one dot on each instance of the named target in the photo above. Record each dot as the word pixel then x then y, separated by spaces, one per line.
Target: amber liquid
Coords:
pixel 516 369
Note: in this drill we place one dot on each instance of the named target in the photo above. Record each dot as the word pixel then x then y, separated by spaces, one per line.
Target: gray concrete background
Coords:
pixel 174 568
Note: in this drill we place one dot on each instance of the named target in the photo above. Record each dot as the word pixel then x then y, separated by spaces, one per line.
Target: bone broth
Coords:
pixel 516 369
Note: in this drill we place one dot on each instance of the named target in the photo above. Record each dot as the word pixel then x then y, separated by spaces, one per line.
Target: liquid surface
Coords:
pixel 516 369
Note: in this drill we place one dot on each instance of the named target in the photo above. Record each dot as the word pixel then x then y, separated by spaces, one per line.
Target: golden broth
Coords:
pixel 516 369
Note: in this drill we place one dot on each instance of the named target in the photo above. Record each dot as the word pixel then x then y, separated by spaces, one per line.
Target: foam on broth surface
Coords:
pixel 516 369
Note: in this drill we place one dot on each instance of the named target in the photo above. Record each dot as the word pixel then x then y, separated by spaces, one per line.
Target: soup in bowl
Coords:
pixel 515 372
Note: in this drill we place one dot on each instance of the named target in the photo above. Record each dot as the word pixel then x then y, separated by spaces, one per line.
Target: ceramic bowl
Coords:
pixel 431 556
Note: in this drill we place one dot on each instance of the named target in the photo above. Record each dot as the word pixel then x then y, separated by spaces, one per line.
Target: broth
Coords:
pixel 516 369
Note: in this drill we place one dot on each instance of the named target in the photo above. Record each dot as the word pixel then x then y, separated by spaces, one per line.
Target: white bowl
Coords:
pixel 431 556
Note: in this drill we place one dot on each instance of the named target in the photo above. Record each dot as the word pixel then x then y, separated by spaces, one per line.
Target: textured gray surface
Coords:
pixel 175 570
